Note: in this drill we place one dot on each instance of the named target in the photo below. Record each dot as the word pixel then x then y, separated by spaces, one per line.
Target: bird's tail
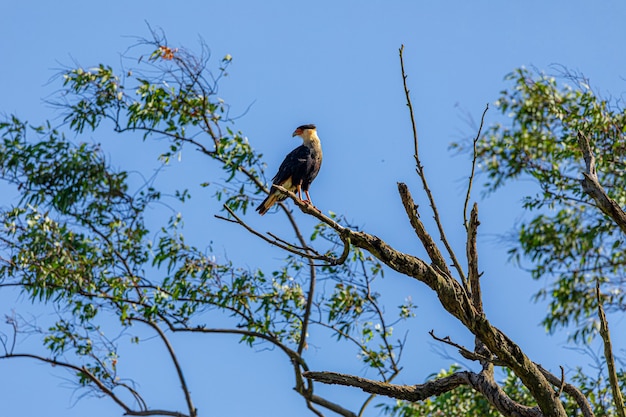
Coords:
pixel 271 199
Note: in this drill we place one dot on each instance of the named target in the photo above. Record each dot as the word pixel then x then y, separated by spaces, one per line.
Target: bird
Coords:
pixel 298 170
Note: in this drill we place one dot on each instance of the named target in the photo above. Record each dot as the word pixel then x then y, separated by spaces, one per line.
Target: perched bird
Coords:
pixel 298 169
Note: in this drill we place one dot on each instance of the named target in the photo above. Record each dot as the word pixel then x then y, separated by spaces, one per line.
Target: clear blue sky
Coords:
pixel 334 64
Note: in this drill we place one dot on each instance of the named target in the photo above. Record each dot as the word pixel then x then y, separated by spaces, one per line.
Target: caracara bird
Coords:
pixel 298 170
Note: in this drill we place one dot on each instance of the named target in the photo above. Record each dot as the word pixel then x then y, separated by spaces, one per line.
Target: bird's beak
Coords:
pixel 297 132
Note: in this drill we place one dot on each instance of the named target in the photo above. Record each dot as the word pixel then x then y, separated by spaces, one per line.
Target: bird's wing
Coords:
pixel 295 164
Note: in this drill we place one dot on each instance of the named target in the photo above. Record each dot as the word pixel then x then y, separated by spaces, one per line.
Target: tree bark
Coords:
pixel 420 392
pixel 456 301
pixel 591 185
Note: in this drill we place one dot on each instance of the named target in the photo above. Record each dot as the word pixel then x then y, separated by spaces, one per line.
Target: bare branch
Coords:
pixel 401 392
pixel 422 175
pixel 155 413
pixel 455 300
pixel 570 389
pixel 316 399
pixel 288 247
pixel 408 101
pixel 472 261
pixel 174 358
pixel 420 392
pixel 466 353
pixel 427 241
pixel 473 170
pixel 99 384
pixel 608 356
pixel 562 381
pixel 594 189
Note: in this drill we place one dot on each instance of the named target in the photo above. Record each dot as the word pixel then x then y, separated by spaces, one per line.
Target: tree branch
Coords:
pixel 427 241
pixel 594 189
pixel 570 389
pixel 294 356
pixel 422 175
pixel 179 370
pixel 316 399
pixel 472 261
pixel 473 170
pixel 608 356
pixel 420 392
pixel 563 386
pixel 455 300
pixel 465 352
pixel 288 247
pixel 99 384
pixel 408 101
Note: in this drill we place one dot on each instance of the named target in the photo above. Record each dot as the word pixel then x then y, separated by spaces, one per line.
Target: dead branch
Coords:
pixel 569 389
pixel 427 241
pixel 594 189
pixel 296 250
pixel 456 301
pixel 179 371
pixel 465 352
pixel 316 399
pixel 473 170
pixel 422 175
pixel 472 261
pixel 608 356
pixel 562 381
pixel 420 392
pixel 100 385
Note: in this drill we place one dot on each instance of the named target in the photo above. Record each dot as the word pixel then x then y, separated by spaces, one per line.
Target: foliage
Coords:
pixel 79 240
pixel 567 238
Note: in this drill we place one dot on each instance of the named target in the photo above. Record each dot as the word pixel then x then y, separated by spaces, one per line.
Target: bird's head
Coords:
pixel 304 130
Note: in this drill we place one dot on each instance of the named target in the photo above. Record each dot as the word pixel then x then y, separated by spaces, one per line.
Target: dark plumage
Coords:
pixel 298 170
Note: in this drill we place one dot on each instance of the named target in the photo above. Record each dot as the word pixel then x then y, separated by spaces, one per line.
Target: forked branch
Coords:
pixel 420 230
pixel 591 185
pixel 456 301
pixel 420 392
pixel 174 358
pixel 100 385
pixel 422 175
pixel 307 252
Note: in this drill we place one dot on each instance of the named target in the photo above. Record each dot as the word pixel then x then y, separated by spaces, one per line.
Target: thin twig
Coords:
pixel 302 248
pixel 422 175
pixel 408 102
pixel 562 381
pixel 466 353
pixel 290 248
pixel 174 358
pixel 472 173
